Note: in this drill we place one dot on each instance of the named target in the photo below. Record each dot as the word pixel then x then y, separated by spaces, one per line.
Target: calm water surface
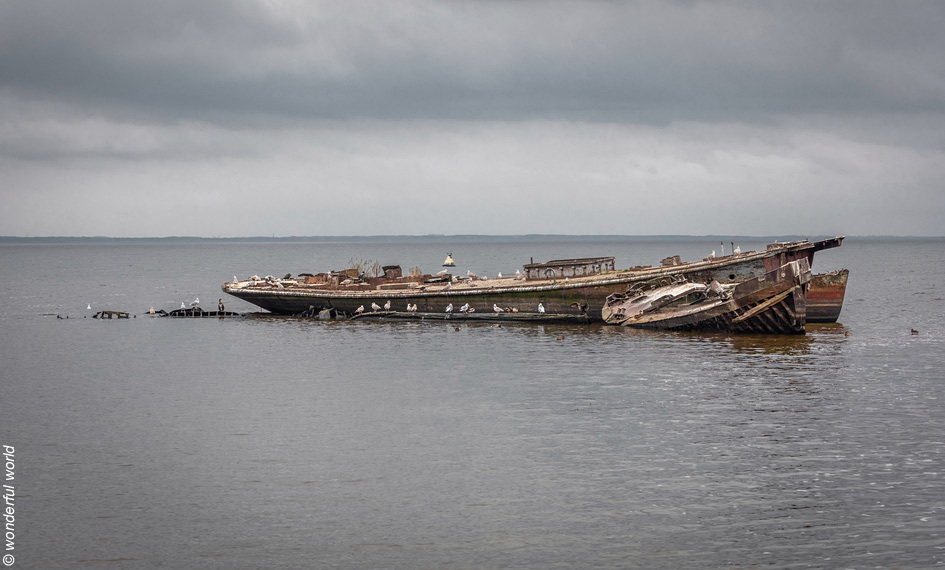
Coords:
pixel 284 443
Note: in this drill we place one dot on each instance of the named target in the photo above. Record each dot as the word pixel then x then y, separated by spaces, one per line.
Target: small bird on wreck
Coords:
pixel 387 305
pixel 411 308
pixel 359 310
pixel 195 302
pixel 464 308
pixel 449 308
pixel 497 308
pixel 541 308
pixel 375 307
pixel 471 275
pixel 711 255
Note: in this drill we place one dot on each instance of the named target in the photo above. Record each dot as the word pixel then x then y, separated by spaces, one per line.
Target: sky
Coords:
pixel 235 118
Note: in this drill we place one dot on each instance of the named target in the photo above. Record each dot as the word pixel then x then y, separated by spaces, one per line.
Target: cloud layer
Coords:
pixel 285 117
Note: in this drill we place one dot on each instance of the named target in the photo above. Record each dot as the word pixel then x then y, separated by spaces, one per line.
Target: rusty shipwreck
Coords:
pixel 573 289
pixel 775 303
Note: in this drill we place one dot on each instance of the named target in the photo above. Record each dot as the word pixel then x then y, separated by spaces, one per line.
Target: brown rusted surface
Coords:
pixel 825 296
pixel 561 268
pixel 772 304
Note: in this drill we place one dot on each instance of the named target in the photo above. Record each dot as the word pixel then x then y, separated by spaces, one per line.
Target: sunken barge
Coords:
pixel 568 289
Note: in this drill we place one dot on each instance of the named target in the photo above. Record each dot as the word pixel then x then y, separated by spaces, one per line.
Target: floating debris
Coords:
pixel 111 315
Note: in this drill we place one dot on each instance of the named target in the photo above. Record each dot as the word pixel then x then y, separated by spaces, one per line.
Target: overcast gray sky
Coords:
pixel 292 117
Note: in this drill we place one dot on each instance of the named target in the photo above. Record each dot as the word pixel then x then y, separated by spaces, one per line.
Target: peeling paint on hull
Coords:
pixel 825 297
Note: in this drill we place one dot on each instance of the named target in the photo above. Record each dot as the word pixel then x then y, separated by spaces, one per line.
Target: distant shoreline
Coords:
pixel 412 238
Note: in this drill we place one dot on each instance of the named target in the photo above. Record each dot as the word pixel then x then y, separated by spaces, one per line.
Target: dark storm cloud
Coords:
pixel 645 62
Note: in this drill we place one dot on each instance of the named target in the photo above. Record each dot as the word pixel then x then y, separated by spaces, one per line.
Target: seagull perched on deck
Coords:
pixel 375 307
pixel 412 308
pixel 89 307
pixel 441 273
pixel 499 276
pixel 541 308
pixel 195 302
pixel 235 280
pixel 387 305
pixel 182 305
pixel 497 308
pixel 737 250
pixel 464 308
pixel 471 275
pixel 359 310
pixel 449 308
pixel 711 255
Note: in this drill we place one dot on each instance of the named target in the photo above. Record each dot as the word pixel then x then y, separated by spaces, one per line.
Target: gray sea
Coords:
pixel 272 442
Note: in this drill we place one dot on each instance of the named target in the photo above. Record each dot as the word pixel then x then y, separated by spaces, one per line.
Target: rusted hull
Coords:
pixel 579 297
pixel 772 304
pixel 825 297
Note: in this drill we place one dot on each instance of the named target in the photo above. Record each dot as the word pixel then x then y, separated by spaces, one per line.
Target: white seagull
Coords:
pixel 518 275
pixel 235 280
pixel 738 249
pixel 499 276
pixel 449 308
pixel 195 302
pixel 497 308
pixel 359 310
pixel 387 305
pixel 464 308
pixel 182 305
pixel 711 255
pixel 471 275
pixel 412 308
pixel 441 273
pixel 541 308
pixel 89 307
pixel 375 307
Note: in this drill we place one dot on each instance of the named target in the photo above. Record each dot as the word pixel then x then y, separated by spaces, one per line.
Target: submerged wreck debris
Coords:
pixel 772 304
pixel 196 313
pixel 567 290
pixel 111 315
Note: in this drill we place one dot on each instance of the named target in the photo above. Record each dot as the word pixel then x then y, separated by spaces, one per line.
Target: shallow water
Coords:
pixel 282 442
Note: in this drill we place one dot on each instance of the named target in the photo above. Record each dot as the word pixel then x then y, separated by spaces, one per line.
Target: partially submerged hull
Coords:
pixel 825 296
pixel 773 304
pixel 581 296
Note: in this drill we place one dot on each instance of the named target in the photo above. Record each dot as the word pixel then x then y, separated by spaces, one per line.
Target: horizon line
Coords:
pixel 9 238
